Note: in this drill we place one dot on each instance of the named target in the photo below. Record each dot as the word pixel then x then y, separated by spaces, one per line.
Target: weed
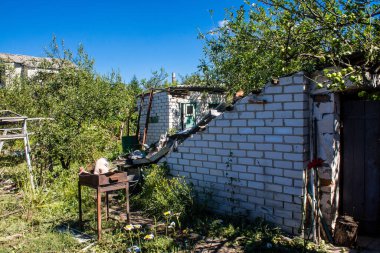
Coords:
pixel 161 193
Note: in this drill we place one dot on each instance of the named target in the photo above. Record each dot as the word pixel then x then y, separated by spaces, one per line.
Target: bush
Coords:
pixel 161 193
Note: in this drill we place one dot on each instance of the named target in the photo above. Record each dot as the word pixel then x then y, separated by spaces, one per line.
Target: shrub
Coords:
pixel 161 193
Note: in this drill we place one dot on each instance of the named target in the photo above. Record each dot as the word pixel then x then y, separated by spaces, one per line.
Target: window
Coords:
pixel 189 109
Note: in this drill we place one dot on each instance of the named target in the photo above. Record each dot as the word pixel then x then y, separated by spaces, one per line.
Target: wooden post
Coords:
pixel 316 181
pixel 99 212
pixel 127 200
pixel 2 142
pixel 128 121
pixel 139 116
pixel 80 203
pixel 107 207
pixel 147 117
pixel 304 203
pixel 27 154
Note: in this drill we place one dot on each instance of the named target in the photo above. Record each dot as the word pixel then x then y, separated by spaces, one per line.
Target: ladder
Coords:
pixel 16 134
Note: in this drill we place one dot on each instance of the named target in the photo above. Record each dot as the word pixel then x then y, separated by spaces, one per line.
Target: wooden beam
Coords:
pixel 12 137
pixel 27 155
pixel 138 118
pixel 147 117
pixel 12 119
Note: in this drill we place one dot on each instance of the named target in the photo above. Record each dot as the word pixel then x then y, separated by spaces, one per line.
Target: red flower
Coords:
pixel 315 163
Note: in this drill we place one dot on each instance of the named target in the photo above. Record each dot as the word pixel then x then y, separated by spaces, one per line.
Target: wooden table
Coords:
pixel 103 183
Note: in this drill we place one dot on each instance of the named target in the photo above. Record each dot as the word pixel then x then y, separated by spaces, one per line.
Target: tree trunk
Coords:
pixel 65 164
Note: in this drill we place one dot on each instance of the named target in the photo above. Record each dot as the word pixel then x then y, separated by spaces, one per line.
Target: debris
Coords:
pixel 79 236
pixel 88 247
pixel 346 231
pixel 10 238
pixel 134 249
pixel 256 101
pixel 166 143
pixel 137 154
pixel 101 166
pixel 8 214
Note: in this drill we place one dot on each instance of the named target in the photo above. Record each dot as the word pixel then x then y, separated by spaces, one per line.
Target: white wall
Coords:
pixel 167 108
pixel 250 160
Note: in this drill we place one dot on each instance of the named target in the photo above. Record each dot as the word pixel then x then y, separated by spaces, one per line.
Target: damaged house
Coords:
pixel 173 109
pixel 253 161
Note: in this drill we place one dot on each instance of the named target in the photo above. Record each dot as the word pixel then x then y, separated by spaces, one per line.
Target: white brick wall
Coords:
pixel 252 157
pixel 167 108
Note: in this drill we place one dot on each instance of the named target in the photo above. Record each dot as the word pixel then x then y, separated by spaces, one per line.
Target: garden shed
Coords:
pixel 251 161
pixel 174 109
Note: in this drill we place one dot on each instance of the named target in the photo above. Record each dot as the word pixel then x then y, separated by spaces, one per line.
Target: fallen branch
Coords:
pixel 88 247
pixel 8 214
pixel 10 238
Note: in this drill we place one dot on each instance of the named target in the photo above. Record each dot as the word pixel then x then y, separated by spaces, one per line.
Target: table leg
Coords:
pixel 107 206
pixel 99 212
pixel 127 200
pixel 80 204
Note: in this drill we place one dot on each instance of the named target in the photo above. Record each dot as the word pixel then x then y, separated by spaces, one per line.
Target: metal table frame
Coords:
pixel 99 190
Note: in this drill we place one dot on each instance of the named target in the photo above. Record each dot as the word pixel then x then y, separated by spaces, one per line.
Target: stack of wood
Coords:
pixel 346 231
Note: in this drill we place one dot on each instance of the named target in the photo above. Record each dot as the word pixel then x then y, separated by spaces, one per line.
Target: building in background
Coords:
pixel 176 108
pixel 13 66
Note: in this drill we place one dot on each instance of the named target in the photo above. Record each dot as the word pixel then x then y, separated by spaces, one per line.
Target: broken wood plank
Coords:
pixel 12 136
pixel 9 214
pixel 11 237
pixel 138 118
pixel 260 102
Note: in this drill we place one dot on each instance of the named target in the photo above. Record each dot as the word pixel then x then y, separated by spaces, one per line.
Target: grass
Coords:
pixel 33 218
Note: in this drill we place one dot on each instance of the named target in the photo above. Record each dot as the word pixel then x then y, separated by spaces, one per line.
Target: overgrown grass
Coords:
pixel 32 217
pixel 161 193
pixel 37 215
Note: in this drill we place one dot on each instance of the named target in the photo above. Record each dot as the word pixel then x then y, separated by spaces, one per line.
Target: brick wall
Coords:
pixel 160 109
pixel 325 107
pixel 249 161
pixel 167 108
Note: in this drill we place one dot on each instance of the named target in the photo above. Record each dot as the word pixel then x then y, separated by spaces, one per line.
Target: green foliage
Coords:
pixel 161 193
pixel 87 110
pixel 257 236
pixel 370 95
pixel 157 80
pixel 38 213
pixel 41 212
pixel 160 244
pixel 279 37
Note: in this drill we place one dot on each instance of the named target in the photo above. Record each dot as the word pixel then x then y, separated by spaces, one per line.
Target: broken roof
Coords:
pixel 181 90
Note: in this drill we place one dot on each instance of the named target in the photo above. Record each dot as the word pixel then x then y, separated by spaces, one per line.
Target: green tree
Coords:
pixel 88 109
pixel 258 42
pixel 134 86
pixel 157 80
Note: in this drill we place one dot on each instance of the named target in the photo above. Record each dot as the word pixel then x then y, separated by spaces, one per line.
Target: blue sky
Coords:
pixel 134 37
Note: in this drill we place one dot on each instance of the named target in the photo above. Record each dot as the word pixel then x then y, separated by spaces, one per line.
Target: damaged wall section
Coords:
pixel 250 160
pixel 166 112
pixel 325 107
pixel 159 114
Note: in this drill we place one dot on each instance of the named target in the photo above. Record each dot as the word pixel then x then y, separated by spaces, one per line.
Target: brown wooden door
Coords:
pixel 361 164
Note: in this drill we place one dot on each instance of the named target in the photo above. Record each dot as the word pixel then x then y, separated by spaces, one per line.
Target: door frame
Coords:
pixel 344 97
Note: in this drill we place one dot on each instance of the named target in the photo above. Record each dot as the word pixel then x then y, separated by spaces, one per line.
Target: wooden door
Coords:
pixel 361 164
pixel 188 115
